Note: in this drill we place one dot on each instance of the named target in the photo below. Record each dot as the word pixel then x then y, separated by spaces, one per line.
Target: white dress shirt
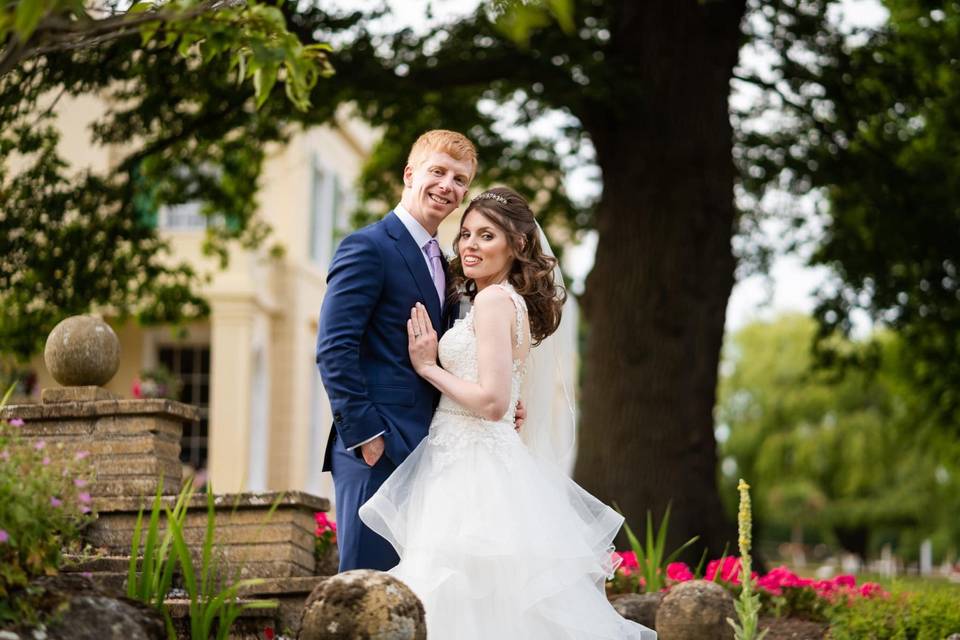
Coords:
pixel 420 235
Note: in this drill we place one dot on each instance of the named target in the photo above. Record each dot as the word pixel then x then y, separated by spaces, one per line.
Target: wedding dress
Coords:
pixel 496 544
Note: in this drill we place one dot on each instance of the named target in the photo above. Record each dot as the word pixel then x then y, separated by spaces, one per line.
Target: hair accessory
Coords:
pixel 489 195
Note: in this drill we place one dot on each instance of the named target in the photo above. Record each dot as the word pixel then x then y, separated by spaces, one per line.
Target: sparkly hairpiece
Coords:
pixel 489 195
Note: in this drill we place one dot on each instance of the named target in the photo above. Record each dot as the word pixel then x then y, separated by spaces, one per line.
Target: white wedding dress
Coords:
pixel 497 545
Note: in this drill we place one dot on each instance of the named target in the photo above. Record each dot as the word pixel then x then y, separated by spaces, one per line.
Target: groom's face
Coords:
pixel 435 188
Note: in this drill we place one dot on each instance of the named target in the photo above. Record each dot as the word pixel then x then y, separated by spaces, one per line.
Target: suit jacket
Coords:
pixel 377 275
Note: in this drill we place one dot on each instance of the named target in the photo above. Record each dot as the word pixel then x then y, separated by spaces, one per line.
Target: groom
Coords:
pixel 381 407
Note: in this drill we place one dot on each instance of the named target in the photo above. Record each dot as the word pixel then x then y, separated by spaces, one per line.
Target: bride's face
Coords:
pixel 484 250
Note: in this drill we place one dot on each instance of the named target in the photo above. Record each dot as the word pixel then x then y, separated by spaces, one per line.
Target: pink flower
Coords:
pixel 4 455
pixel 137 389
pixel 80 483
pixel 46 460
pixel 845 581
pixel 780 578
pixel 55 501
pixel 872 589
pixel 17 422
pixel 628 562
pixel 85 509
pixel 4 536
pixel 679 572
pixel 39 445
pixel 84 497
pixel 729 572
pixel 80 455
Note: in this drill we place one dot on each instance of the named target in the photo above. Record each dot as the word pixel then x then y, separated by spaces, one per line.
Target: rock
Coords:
pixel 91 614
pixel 695 610
pixel 639 607
pixel 82 351
pixel 363 605
pixel 953 636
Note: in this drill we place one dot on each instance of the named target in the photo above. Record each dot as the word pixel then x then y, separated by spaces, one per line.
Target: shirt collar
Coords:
pixel 420 235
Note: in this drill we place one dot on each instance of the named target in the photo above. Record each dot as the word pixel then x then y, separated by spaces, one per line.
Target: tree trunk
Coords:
pixel 656 299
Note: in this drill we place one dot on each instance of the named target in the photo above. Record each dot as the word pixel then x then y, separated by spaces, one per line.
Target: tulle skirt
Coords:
pixel 496 544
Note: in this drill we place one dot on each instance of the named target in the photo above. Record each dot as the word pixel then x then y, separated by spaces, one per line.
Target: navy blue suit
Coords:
pixel 376 277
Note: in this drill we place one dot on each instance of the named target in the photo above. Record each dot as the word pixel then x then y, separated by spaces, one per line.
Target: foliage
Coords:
pixel 254 33
pixel 645 569
pixel 168 102
pixel 841 459
pixel 151 583
pixel 44 506
pixel 747 604
pixel 158 382
pixel 212 613
pixel 867 120
pixel 925 613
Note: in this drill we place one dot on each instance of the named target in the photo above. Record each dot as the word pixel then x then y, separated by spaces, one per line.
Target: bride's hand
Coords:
pixel 421 339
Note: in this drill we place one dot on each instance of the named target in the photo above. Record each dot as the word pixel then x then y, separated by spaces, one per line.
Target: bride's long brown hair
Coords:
pixel 531 272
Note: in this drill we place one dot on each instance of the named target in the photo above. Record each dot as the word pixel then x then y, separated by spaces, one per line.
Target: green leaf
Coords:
pixel 263 80
pixel 28 16
pixel 141 7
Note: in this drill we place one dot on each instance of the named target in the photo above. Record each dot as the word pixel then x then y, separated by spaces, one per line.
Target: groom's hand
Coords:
pixel 519 416
pixel 371 451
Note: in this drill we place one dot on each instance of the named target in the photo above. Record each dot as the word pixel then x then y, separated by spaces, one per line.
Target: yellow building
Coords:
pixel 249 367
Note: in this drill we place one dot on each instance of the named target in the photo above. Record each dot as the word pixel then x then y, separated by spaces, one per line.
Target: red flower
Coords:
pixel 268 633
pixel 679 572
pixel 729 572
pixel 872 589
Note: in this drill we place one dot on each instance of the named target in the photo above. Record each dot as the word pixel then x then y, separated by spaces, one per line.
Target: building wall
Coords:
pixel 268 417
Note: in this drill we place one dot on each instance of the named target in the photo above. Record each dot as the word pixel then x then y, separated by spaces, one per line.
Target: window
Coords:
pixel 191 364
pixel 329 207
pixel 181 217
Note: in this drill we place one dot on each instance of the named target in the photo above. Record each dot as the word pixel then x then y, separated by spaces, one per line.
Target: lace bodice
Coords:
pixel 454 428
pixel 458 355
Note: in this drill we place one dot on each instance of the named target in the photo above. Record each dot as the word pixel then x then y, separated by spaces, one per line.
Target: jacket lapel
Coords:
pixel 413 257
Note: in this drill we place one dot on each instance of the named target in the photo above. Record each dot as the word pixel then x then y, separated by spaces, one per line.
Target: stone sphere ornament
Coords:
pixel 82 351
pixel 363 605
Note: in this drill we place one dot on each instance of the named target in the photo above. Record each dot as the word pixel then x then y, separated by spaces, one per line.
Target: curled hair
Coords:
pixel 531 272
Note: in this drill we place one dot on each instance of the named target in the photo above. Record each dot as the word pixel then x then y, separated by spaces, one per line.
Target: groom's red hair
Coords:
pixel 456 145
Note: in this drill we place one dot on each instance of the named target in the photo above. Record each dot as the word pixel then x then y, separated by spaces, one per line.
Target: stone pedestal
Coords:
pixel 250 540
pixel 133 445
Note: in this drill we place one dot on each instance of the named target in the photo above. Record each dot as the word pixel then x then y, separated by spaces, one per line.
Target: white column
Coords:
pixel 231 341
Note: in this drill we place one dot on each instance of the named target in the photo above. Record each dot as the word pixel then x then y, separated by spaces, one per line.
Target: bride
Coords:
pixel 493 537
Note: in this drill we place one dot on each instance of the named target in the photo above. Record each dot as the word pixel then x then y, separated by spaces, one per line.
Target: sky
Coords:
pixel 788 286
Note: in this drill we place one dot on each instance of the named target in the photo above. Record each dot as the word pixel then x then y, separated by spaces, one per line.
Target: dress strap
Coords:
pixel 521 306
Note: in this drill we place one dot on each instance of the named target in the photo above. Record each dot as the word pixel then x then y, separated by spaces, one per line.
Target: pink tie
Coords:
pixel 439 279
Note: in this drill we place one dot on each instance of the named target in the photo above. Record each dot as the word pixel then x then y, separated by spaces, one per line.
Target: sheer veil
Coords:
pixel 550 385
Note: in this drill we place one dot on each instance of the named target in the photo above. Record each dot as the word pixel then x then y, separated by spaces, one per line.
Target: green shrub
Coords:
pixel 44 505
pixel 931 612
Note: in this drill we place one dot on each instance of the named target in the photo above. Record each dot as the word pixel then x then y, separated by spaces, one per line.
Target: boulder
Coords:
pixel 363 605
pixel 87 613
pixel 695 610
pixel 639 607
